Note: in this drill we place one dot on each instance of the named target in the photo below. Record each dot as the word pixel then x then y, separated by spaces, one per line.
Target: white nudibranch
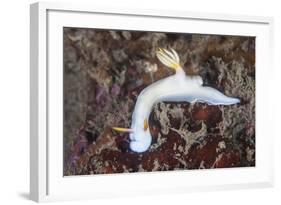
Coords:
pixel 176 88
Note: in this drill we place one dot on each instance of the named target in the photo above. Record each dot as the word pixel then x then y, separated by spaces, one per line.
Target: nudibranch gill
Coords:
pixel 176 88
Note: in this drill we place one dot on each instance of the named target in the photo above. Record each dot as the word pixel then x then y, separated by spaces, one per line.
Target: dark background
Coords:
pixel 105 70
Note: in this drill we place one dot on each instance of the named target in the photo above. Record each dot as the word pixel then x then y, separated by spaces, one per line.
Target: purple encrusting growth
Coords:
pixel 115 89
pixel 104 72
pixel 100 93
pixel 78 148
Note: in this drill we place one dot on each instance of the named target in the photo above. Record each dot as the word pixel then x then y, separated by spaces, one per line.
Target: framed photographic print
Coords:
pixel 128 101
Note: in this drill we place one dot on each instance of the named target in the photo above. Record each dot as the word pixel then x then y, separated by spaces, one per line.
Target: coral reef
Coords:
pixel 104 71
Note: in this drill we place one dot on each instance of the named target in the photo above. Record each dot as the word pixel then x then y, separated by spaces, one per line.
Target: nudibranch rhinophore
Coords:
pixel 176 88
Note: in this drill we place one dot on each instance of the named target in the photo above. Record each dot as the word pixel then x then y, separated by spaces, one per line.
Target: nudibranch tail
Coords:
pixel 170 59
pixel 121 129
pixel 212 96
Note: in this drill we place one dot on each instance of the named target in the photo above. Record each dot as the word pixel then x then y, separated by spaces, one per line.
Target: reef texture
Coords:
pixel 104 71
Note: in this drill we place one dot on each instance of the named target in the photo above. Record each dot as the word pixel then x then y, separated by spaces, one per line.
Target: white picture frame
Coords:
pixel 46 178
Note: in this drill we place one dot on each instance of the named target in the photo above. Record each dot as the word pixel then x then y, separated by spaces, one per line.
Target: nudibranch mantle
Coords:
pixel 176 88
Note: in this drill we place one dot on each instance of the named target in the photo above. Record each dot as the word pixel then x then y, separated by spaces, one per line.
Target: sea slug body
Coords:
pixel 176 88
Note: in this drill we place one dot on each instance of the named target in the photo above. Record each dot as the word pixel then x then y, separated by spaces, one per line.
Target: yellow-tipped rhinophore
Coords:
pixel 121 129
pixel 169 58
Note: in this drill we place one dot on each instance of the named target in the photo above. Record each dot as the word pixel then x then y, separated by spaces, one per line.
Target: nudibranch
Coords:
pixel 176 88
